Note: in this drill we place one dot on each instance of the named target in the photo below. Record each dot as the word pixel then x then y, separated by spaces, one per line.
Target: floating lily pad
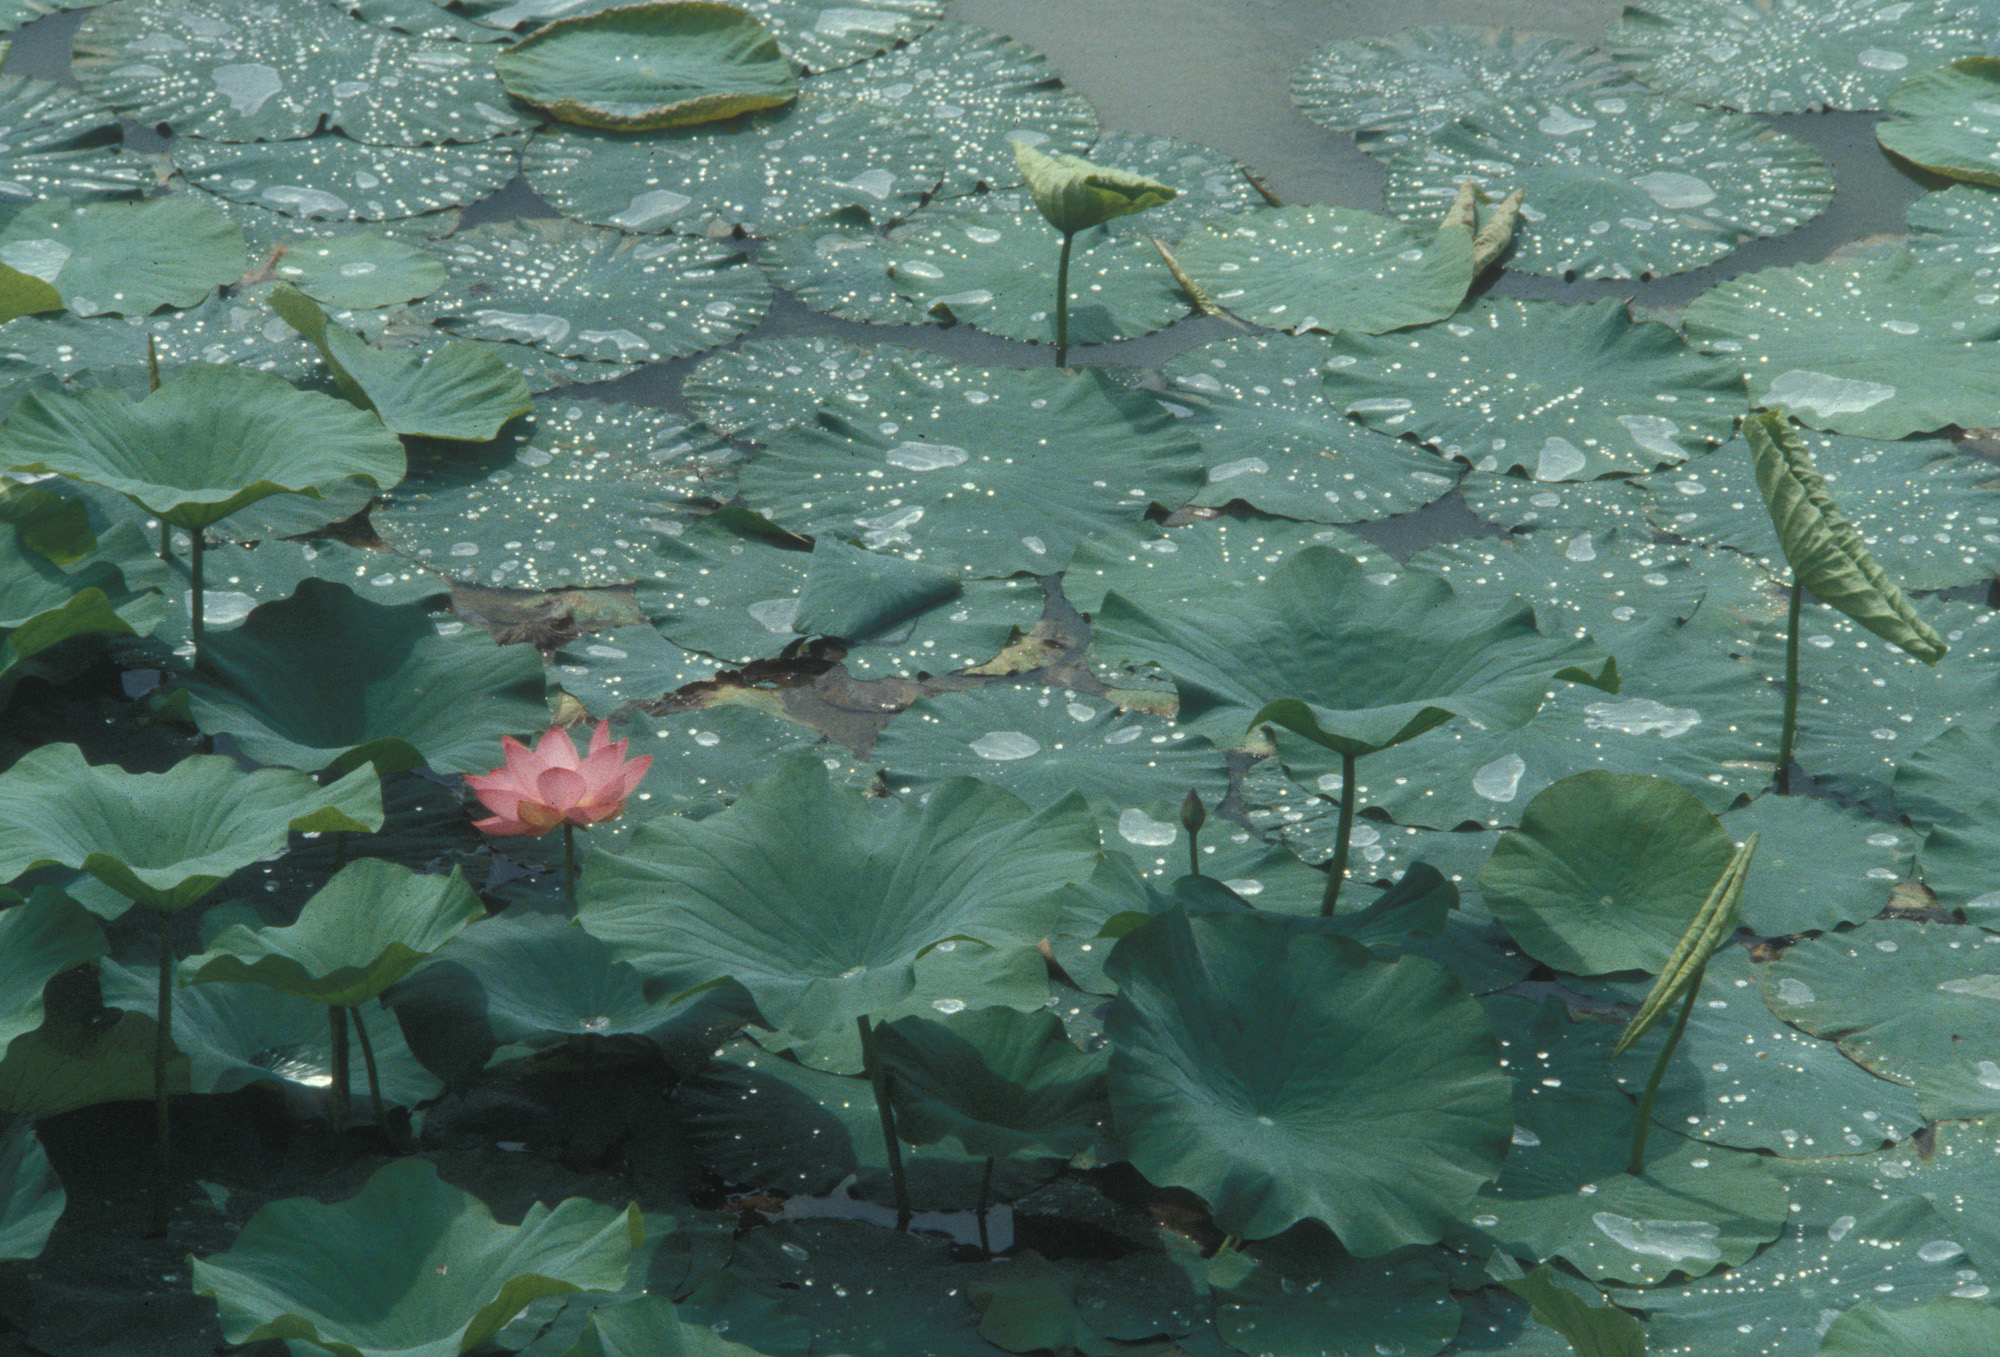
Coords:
pixel 1245 1067
pixel 1309 1296
pixel 544 370
pixel 605 670
pixel 1172 569
pixel 1408 84
pixel 358 272
pixel 839 264
pixel 992 270
pixel 1818 865
pixel 1608 182
pixel 1207 184
pixel 904 1292
pixel 649 66
pixel 17 13
pixel 334 178
pixel 411 1265
pixel 1953 1172
pixel 1776 58
pixel 759 174
pixel 827 35
pixel 1517 502
pixel 1913 1003
pixel 972 862
pixel 999 469
pixel 402 694
pixel 586 293
pixel 703 760
pixel 764 385
pixel 1563 392
pixel 1959 228
pixel 1877 348
pixel 62 145
pixel 127 259
pixel 1328 268
pixel 1943 120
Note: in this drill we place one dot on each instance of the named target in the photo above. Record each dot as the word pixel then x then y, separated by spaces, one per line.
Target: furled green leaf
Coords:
pixel 1075 194
pixel 647 66
pixel 402 694
pixel 819 901
pixel 998 1081
pixel 125 259
pixel 206 444
pixel 1606 872
pixel 1943 120
pixel 133 831
pixel 1592 1330
pixel 1712 924
pixel 410 1266
pixel 362 932
pixel 1825 551
pixel 1287 1075
pixel 461 392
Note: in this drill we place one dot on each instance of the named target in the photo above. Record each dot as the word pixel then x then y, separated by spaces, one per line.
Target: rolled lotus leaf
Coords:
pixel 1715 921
pixel 1076 195
pixel 1825 551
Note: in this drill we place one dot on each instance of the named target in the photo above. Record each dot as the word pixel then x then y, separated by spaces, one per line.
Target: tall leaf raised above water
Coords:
pixel 1825 551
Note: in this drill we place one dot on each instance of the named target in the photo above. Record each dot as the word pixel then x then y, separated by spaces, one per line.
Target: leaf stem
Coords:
pixel 1337 869
pixel 569 865
pixel 878 1077
pixel 166 542
pixel 979 1211
pixel 163 1019
pixel 1645 1121
pixel 1062 302
pixel 1791 691
pixel 374 1079
pixel 337 1025
pixel 195 622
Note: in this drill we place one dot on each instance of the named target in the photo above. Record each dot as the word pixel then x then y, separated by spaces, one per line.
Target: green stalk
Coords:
pixel 878 1077
pixel 979 1211
pixel 569 865
pixel 1791 691
pixel 1062 302
pixel 163 1018
pixel 195 590
pixel 374 1079
pixel 337 1021
pixel 1645 1122
pixel 166 542
pixel 1337 872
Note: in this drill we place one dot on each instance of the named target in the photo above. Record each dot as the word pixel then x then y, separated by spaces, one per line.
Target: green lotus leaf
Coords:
pixel 1943 120
pixel 1819 865
pixel 1287 1075
pixel 207 443
pixel 61 144
pixel 410 1266
pixel 1075 194
pixel 1204 564
pixel 764 385
pixel 1825 551
pixel 358 272
pixel 1308 648
pixel 1306 1296
pixel 648 1326
pixel 462 392
pixel 1954 227
pixel 1945 1325
pixel 40 938
pixel 134 832
pixel 648 66
pixel 64 1065
pixel 126 259
pixel 1602 1330
pixel 31 1196
pixel 819 901
pixel 1712 925
pixel 402 694
pixel 47 604
pixel 1606 871
pixel 362 932
pixel 1028 1304
pixel 24 294
pixel 1953 1171
pixel 337 179
pixel 998 1081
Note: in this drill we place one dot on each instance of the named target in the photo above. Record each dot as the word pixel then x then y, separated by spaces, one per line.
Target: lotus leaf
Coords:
pixel 461 392
pixel 1938 1326
pixel 647 66
pixel 1304 650
pixel 1942 120
pixel 1819 866
pixel 839 264
pixel 365 930
pixel 132 831
pixel 1516 502
pixel 585 293
pixel 402 694
pixel 1256 406
pixel 410 1265
pixel 997 1081
pixel 903 1294
pixel 1207 184
pixel 334 178
pixel 1329 268
pixel 1245 1067
pixel 239 578
pixel 1028 1304
pixel 1563 392
pixel 1600 1330
pixel 1951 228
pixel 1606 176
pixel 1879 348
pixel 604 671
pixel 819 902
pixel 127 259
pixel 41 938
pixel 200 68
pixel 64 1065
pixel 61 145
pixel 358 271
pixel 758 174
pixel 1953 1172
pixel 764 385
pixel 1307 1296
pixel 206 444
pixel 1191 565
pixel 31 1196
pixel 23 294
pixel 703 759
pixel 1406 85
pixel 1762 57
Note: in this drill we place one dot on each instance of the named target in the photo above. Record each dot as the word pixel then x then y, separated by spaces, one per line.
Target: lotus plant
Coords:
pixel 1076 195
pixel 540 788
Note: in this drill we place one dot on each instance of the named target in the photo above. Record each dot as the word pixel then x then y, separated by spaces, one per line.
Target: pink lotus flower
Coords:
pixel 538 789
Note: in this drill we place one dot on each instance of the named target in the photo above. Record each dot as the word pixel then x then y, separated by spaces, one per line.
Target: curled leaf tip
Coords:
pixel 1075 194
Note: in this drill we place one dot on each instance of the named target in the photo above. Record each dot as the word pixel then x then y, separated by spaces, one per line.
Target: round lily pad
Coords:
pixel 1410 83
pixel 1207 184
pixel 839 264
pixel 979 91
pixel 335 178
pixel 126 259
pixel 1818 865
pixel 1877 348
pixel 1000 470
pixel 1202 563
pixel 358 272
pixel 1943 120
pixel 1562 392
pixel 62 145
pixel 1954 1173
pixel 200 69
pixel 1761 57
pixel 759 174
pixel 586 293
pixel 1618 185
pixel 764 385
pixel 1870 1330
pixel 1256 405
pixel 1308 1296
pixel 827 35
pixel 1959 227
pixel 996 271
pixel 605 670
pixel 1328 268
